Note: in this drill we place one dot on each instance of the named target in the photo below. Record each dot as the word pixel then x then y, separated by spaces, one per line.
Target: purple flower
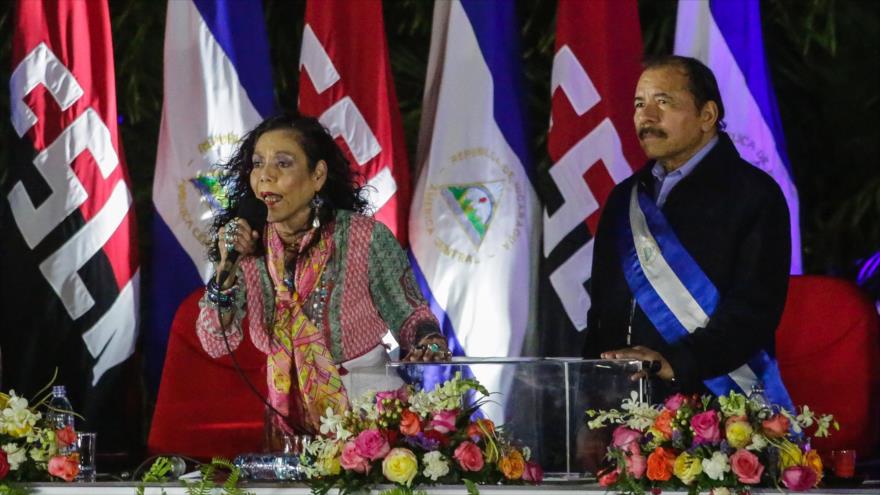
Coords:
pixel 676 436
pixel 725 448
pixel 421 441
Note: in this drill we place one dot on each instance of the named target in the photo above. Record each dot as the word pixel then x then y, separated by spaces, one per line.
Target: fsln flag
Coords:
pixel 218 86
pixel 70 278
pixel 473 224
pixel 726 36
pixel 347 84
pixel 593 147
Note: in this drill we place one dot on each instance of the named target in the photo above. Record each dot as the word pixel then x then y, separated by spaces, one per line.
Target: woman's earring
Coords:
pixel 315 204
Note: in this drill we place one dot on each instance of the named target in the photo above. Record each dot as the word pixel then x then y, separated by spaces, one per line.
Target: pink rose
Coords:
pixel 609 478
pixel 674 402
pixel 799 478
pixel 624 436
pixel 706 428
pixel 443 421
pixel 636 465
pixel 469 456
pixel 746 467
pixel 372 444
pixel 633 448
pixel 533 472
pixel 65 436
pixel 352 461
pixel 64 467
pixel 776 427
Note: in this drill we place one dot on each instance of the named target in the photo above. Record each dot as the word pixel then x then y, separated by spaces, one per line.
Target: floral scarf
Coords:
pixel 318 385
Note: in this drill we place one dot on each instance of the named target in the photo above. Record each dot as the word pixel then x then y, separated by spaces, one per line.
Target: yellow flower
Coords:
pixel 789 454
pixel 331 466
pixel 512 465
pixel 739 434
pixel 400 466
pixel 687 468
pixel 814 462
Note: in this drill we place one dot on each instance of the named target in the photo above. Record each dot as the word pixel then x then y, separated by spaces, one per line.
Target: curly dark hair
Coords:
pixel 340 191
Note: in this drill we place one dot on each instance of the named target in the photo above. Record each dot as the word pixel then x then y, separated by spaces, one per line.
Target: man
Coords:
pixel 691 259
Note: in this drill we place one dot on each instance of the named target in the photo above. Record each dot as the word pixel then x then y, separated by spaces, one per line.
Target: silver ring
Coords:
pixel 434 347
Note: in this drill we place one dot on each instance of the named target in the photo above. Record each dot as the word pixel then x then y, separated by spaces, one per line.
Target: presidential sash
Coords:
pixel 678 297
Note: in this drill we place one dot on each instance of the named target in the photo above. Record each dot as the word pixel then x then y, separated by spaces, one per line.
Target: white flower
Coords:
pixel 435 465
pixel 16 419
pixel 39 455
pixel 15 455
pixel 527 453
pixel 332 423
pixel 759 442
pixel 721 490
pixel 716 466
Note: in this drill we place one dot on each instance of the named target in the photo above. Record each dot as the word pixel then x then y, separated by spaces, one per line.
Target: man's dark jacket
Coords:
pixel 733 220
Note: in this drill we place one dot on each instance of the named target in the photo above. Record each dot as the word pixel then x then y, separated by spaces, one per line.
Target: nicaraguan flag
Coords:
pixel 473 222
pixel 218 85
pixel 727 37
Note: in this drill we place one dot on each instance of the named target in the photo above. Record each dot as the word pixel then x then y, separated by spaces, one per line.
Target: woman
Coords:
pixel 321 284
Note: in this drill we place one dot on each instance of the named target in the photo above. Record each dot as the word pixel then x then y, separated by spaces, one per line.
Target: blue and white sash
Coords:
pixel 678 297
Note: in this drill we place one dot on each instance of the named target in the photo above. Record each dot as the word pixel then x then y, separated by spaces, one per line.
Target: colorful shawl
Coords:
pixel 298 341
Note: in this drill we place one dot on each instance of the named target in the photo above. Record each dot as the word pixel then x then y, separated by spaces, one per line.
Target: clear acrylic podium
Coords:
pixel 542 401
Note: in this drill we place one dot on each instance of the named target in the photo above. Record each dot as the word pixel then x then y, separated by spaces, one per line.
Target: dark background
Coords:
pixel 823 58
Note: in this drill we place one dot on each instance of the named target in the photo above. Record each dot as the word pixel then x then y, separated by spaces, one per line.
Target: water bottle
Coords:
pixel 270 467
pixel 60 415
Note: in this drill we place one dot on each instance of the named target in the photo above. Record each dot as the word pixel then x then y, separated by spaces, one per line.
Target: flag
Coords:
pixel 346 83
pixel 70 280
pixel 593 146
pixel 473 224
pixel 726 36
pixel 218 86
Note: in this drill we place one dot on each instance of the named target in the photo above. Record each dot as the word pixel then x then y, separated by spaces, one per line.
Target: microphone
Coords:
pixel 254 212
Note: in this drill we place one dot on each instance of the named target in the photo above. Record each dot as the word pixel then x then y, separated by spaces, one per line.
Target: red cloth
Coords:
pixel 204 408
pixel 828 348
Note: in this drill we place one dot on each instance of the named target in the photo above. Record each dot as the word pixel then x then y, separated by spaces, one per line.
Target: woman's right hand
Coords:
pixel 238 236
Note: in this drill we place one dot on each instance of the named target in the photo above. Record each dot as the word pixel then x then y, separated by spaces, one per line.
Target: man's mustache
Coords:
pixel 645 131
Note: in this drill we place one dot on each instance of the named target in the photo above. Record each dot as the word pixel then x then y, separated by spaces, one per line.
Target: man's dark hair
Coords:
pixel 701 80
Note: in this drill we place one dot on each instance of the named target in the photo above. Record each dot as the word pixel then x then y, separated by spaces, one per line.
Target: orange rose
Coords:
pixel 65 436
pixel 410 424
pixel 512 465
pixel 775 427
pixel 64 467
pixel 663 423
pixel 661 463
pixel 814 462
pixel 481 428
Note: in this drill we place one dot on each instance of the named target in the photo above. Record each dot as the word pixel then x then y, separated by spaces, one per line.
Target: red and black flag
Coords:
pixel 69 278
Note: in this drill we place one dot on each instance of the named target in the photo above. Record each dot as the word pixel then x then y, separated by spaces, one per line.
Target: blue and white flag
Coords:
pixel 726 36
pixel 218 85
pixel 474 217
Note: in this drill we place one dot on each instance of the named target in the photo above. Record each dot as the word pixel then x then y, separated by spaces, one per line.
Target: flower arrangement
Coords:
pixel 29 446
pixel 702 444
pixel 410 438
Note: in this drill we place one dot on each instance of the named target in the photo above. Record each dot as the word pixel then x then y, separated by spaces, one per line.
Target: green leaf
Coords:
pixel 471 487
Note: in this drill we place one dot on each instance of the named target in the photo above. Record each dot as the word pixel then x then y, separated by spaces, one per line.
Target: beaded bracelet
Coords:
pixel 222 299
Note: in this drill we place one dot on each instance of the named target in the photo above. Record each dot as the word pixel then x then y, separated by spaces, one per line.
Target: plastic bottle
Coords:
pixel 60 415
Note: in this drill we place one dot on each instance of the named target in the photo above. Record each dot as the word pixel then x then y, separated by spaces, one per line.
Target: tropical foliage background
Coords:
pixel 823 57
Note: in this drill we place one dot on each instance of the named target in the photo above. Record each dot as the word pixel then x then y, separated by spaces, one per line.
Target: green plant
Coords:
pixel 158 472
pixel 206 485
